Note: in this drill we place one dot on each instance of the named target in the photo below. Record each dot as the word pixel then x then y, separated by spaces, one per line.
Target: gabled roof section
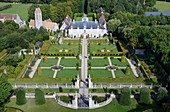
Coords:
pixel 67 20
pixel 8 16
pixel 102 20
pixel 100 10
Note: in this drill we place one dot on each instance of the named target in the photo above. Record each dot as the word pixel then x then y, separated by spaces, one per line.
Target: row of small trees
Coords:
pixel 144 98
pixel 21 98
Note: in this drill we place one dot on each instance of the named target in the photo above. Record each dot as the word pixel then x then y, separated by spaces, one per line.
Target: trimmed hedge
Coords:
pixel 67 99
pixel 39 96
pixel 99 99
pixel 144 96
pixel 20 97
pixel 125 96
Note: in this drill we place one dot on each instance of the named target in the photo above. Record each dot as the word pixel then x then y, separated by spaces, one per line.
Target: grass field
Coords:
pixel 51 62
pixel 117 62
pixel 96 47
pixel 68 73
pixel 52 106
pixel 70 62
pixel 95 73
pixel 71 47
pixel 46 73
pixel 98 62
pixel 20 9
pixel 162 6
pixel 120 74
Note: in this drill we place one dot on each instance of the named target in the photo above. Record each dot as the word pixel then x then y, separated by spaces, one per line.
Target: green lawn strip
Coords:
pixel 98 62
pixel 68 73
pixel 96 41
pixel 117 62
pixel 120 73
pixel 70 62
pixel 96 73
pixel 52 106
pixel 46 73
pixel 51 62
pixel 40 81
pixel 51 90
pixel 96 47
pixel 162 6
pixel 71 47
pixel 20 9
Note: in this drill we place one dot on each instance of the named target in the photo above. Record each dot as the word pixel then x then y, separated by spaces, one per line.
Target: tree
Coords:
pixel 5 90
pixel 39 96
pixel 113 24
pixel 127 71
pixel 162 94
pixel 20 96
pixel 125 96
pixel 144 96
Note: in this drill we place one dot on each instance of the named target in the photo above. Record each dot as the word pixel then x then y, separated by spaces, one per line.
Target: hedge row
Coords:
pixel 108 54
pixel 44 79
pixel 5 7
pixel 57 53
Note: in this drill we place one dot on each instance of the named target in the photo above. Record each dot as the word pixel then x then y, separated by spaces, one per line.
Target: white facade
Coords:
pixel 75 29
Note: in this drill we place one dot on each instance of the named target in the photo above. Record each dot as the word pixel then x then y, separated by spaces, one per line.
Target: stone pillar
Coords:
pixel 75 101
pixel 77 83
pixel 90 82
pixel 91 102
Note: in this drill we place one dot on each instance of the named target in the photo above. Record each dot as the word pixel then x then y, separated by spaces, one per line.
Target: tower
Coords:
pixel 38 18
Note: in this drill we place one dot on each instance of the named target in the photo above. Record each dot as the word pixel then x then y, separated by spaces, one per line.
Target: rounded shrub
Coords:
pixel 123 59
pixel 162 94
pixel 144 96
pixel 125 96
pixel 20 96
pixel 127 71
pixel 39 96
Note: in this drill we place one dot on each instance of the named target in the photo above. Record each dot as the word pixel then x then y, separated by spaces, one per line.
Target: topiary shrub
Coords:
pixel 45 59
pixel 125 96
pixel 162 94
pixel 127 71
pixel 20 96
pixel 144 96
pixel 123 59
pixel 39 96
pixel 39 71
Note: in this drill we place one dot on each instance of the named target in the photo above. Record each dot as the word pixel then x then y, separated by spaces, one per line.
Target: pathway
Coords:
pixel 110 63
pixel 58 63
pixel 34 68
pixel 84 71
pixel 132 67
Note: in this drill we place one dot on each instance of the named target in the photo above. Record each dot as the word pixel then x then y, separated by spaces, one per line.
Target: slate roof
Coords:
pixel 67 20
pixel 102 20
pixel 100 10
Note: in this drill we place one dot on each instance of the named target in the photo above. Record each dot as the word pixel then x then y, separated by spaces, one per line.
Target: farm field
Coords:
pixel 162 6
pixel 17 8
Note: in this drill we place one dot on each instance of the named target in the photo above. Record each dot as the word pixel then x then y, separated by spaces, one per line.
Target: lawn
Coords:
pixel 162 6
pixel 68 73
pixel 96 73
pixel 120 74
pixel 70 62
pixel 99 62
pixel 80 18
pixel 51 62
pixel 52 106
pixel 99 40
pixel 117 62
pixel 71 47
pixel 46 73
pixel 20 9
pixel 105 47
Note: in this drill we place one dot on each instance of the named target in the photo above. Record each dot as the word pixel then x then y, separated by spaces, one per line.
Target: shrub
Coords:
pixel 99 99
pixel 123 59
pixel 66 99
pixel 45 59
pixel 144 96
pixel 20 97
pixel 39 96
pixel 39 71
pixel 127 71
pixel 60 89
pixel 162 94
pixel 125 96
